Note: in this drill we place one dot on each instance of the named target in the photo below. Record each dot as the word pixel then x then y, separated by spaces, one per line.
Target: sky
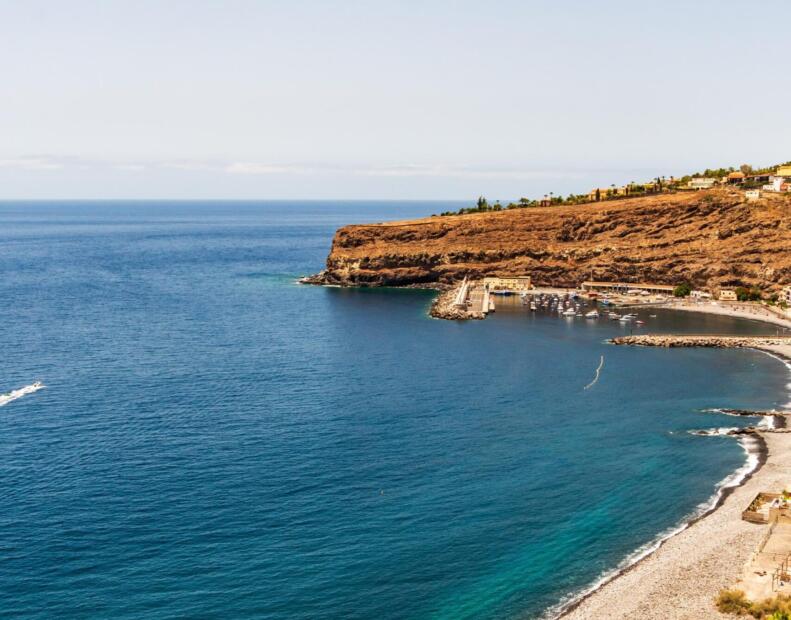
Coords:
pixel 243 99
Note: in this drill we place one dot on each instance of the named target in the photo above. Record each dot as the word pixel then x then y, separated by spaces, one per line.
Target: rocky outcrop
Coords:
pixel 711 239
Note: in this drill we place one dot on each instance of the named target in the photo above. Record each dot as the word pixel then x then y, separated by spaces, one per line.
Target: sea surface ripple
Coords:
pixel 218 441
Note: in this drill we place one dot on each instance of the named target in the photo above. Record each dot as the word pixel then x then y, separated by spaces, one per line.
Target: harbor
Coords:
pixel 476 299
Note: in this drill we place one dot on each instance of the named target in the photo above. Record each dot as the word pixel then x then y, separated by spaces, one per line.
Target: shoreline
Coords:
pixel 750 313
pixel 678 573
pixel 682 576
pixel 723 491
pixel 682 572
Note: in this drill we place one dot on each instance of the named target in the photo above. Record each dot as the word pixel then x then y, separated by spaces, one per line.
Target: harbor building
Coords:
pixel 728 294
pixel 785 294
pixel 510 283
pixel 627 287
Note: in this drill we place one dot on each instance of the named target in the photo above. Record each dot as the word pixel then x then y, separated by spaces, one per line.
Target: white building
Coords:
pixel 700 295
pixel 702 183
pixel 752 194
pixel 511 283
pixel 785 295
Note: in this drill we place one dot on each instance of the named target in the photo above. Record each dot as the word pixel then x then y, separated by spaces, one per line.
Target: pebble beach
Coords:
pixel 682 578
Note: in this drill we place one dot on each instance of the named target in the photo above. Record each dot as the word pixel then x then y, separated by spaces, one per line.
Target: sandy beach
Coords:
pixel 682 578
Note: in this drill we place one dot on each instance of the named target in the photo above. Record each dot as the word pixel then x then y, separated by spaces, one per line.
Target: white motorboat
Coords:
pixel 593 314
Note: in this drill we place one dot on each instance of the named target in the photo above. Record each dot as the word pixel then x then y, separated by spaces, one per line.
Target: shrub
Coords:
pixel 732 602
pixel 682 290
pixel 748 294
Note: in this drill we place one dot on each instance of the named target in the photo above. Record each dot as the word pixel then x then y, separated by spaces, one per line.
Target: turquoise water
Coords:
pixel 217 441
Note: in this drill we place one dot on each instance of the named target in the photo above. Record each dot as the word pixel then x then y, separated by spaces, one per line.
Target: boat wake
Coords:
pixel 16 394
pixel 754 449
pixel 596 378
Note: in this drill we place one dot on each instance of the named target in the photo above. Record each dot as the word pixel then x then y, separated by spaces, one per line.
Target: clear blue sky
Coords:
pixel 388 99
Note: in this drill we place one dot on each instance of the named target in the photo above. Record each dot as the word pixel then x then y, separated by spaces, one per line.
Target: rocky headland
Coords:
pixel 709 238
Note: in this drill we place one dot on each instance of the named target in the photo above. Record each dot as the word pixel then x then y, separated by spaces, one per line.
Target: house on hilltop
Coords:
pixel 781 181
pixel 735 178
pixel 702 183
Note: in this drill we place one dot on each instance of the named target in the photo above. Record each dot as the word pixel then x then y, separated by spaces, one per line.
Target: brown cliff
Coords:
pixel 710 238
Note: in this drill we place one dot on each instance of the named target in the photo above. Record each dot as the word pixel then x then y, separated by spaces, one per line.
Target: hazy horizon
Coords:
pixel 397 100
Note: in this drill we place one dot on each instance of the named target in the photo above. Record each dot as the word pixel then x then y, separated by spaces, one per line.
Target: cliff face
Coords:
pixel 711 238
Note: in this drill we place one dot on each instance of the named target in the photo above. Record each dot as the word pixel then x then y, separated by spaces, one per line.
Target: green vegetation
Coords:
pixel 748 294
pixel 682 290
pixel 734 602
pixel 632 189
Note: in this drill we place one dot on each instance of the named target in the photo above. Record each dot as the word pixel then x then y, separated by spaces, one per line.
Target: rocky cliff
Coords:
pixel 710 238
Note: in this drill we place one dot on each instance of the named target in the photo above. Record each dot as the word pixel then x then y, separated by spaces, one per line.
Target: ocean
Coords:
pixel 215 440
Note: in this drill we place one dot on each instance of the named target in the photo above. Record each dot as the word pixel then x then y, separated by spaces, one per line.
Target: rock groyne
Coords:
pixel 721 342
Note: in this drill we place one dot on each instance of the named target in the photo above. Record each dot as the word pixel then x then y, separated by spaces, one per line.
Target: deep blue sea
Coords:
pixel 217 441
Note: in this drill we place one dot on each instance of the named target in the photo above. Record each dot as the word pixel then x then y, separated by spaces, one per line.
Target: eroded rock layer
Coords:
pixel 710 239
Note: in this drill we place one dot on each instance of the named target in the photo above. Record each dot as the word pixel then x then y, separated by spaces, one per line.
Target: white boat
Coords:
pixel 625 317
pixel 570 312
pixel 532 306
pixel 593 314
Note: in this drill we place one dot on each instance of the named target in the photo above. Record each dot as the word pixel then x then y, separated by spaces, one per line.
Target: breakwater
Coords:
pixel 720 342
pixel 451 305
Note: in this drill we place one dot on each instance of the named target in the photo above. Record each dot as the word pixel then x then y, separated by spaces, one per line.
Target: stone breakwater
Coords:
pixel 444 307
pixel 721 342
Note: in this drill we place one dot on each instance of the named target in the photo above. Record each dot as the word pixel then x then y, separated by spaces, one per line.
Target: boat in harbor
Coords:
pixel 593 314
pixel 569 312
